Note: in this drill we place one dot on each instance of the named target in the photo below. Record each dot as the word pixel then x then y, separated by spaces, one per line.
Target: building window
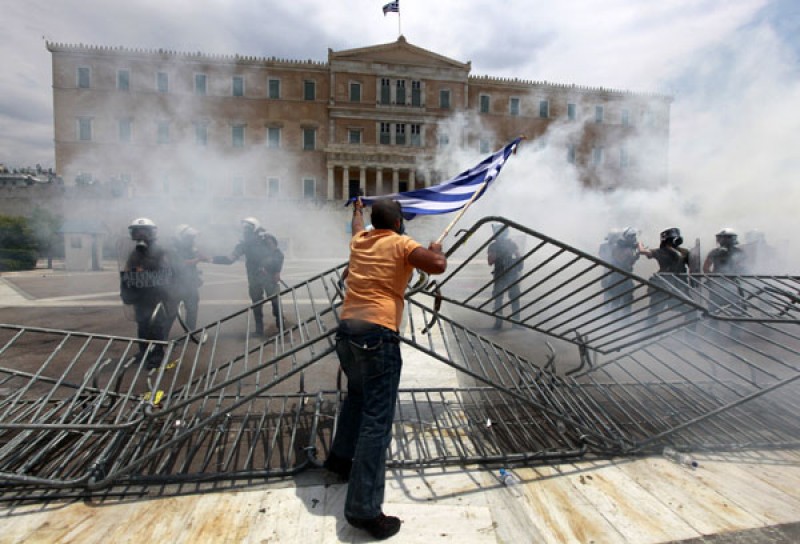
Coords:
pixel 354 136
pixel 400 95
pixel 273 137
pixel 237 186
pixel 309 188
pixel 123 80
pixel 273 187
pixel 597 156
pixel 309 139
pixel 237 135
pixel 274 89
pixel 544 109
pixel 416 135
pixel 513 106
pixel 84 77
pixel 355 91
pixel 626 117
pixel 162 136
pixel 125 130
pixel 309 90
pixel 400 134
pixel 238 86
pixel 201 134
pixel 483 145
pixel 200 84
pixel 443 139
pixel 624 161
pixel 85 129
pixel 571 112
pixel 162 82
pixel 571 153
pixel 444 99
pixel 647 118
pixel 386 91
pixel 484 103
pixel 386 135
pixel 598 114
pixel 416 93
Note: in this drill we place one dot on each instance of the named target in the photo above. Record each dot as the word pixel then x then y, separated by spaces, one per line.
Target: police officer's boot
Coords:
pixel 259 328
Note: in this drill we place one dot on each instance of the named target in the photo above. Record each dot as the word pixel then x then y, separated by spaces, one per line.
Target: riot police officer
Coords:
pixel 263 262
pixel 188 277
pixel 673 269
pixel 620 249
pixel 503 256
pixel 725 259
pixel 146 282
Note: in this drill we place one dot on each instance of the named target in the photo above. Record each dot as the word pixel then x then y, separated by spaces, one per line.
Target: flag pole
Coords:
pixel 463 210
pixel 399 29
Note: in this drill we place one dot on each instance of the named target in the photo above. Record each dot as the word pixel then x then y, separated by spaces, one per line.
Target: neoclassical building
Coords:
pixel 379 118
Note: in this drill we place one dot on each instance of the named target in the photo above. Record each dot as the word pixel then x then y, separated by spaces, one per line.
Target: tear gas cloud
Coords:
pixel 733 162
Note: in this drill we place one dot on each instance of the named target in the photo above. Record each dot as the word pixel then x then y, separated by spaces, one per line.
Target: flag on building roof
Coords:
pixel 455 193
pixel 391 6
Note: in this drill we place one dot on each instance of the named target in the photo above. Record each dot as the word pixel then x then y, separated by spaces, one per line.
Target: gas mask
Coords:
pixel 142 246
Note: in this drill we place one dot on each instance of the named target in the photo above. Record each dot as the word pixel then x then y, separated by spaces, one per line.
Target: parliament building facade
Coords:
pixel 377 118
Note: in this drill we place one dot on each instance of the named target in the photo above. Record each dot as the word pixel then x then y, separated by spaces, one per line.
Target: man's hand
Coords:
pixel 436 248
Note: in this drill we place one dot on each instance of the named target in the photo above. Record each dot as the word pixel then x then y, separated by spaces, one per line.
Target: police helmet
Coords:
pixel 184 231
pixel 143 228
pixel 499 230
pixel 251 223
pixel 727 237
pixel 673 235
pixel 628 237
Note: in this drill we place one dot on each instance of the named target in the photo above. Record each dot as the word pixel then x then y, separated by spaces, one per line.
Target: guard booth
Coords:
pixel 83 244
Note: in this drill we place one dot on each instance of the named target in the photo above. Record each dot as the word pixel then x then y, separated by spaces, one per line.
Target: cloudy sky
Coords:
pixel 731 65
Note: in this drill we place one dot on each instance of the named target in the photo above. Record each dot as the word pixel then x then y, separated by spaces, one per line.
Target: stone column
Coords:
pixel 362 179
pixel 331 188
pixel 427 173
pixel 395 180
pixel 345 182
pixel 379 181
pixel 412 178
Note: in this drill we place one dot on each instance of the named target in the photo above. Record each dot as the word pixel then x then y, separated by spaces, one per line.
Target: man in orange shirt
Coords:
pixel 381 263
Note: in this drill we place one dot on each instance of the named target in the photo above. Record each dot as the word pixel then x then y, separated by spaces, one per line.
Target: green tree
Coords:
pixel 18 248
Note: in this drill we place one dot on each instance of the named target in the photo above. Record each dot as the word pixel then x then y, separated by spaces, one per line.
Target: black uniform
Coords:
pixel 263 265
pixel 147 281
pixel 187 279
pixel 504 256
pixel 619 288
pixel 729 261
pixel 671 260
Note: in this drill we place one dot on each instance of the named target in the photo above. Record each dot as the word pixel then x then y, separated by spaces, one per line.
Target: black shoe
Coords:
pixel 380 527
pixel 339 466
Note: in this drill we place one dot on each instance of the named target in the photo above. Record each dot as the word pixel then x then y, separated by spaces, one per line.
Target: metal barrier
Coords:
pixel 715 365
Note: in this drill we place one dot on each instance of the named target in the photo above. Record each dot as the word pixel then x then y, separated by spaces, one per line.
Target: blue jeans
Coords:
pixel 370 357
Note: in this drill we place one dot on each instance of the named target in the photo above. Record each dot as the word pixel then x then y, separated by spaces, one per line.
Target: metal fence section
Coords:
pixel 569 294
pixel 78 409
pixel 698 362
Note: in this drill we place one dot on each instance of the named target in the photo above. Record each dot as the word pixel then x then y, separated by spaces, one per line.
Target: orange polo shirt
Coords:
pixel 378 275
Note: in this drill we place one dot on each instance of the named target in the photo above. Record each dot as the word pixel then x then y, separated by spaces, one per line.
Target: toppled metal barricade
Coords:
pixel 77 411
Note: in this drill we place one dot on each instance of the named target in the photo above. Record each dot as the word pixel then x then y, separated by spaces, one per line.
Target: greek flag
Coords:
pixel 391 6
pixel 455 193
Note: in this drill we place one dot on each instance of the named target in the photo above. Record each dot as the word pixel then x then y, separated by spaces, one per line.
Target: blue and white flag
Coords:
pixel 453 194
pixel 391 6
